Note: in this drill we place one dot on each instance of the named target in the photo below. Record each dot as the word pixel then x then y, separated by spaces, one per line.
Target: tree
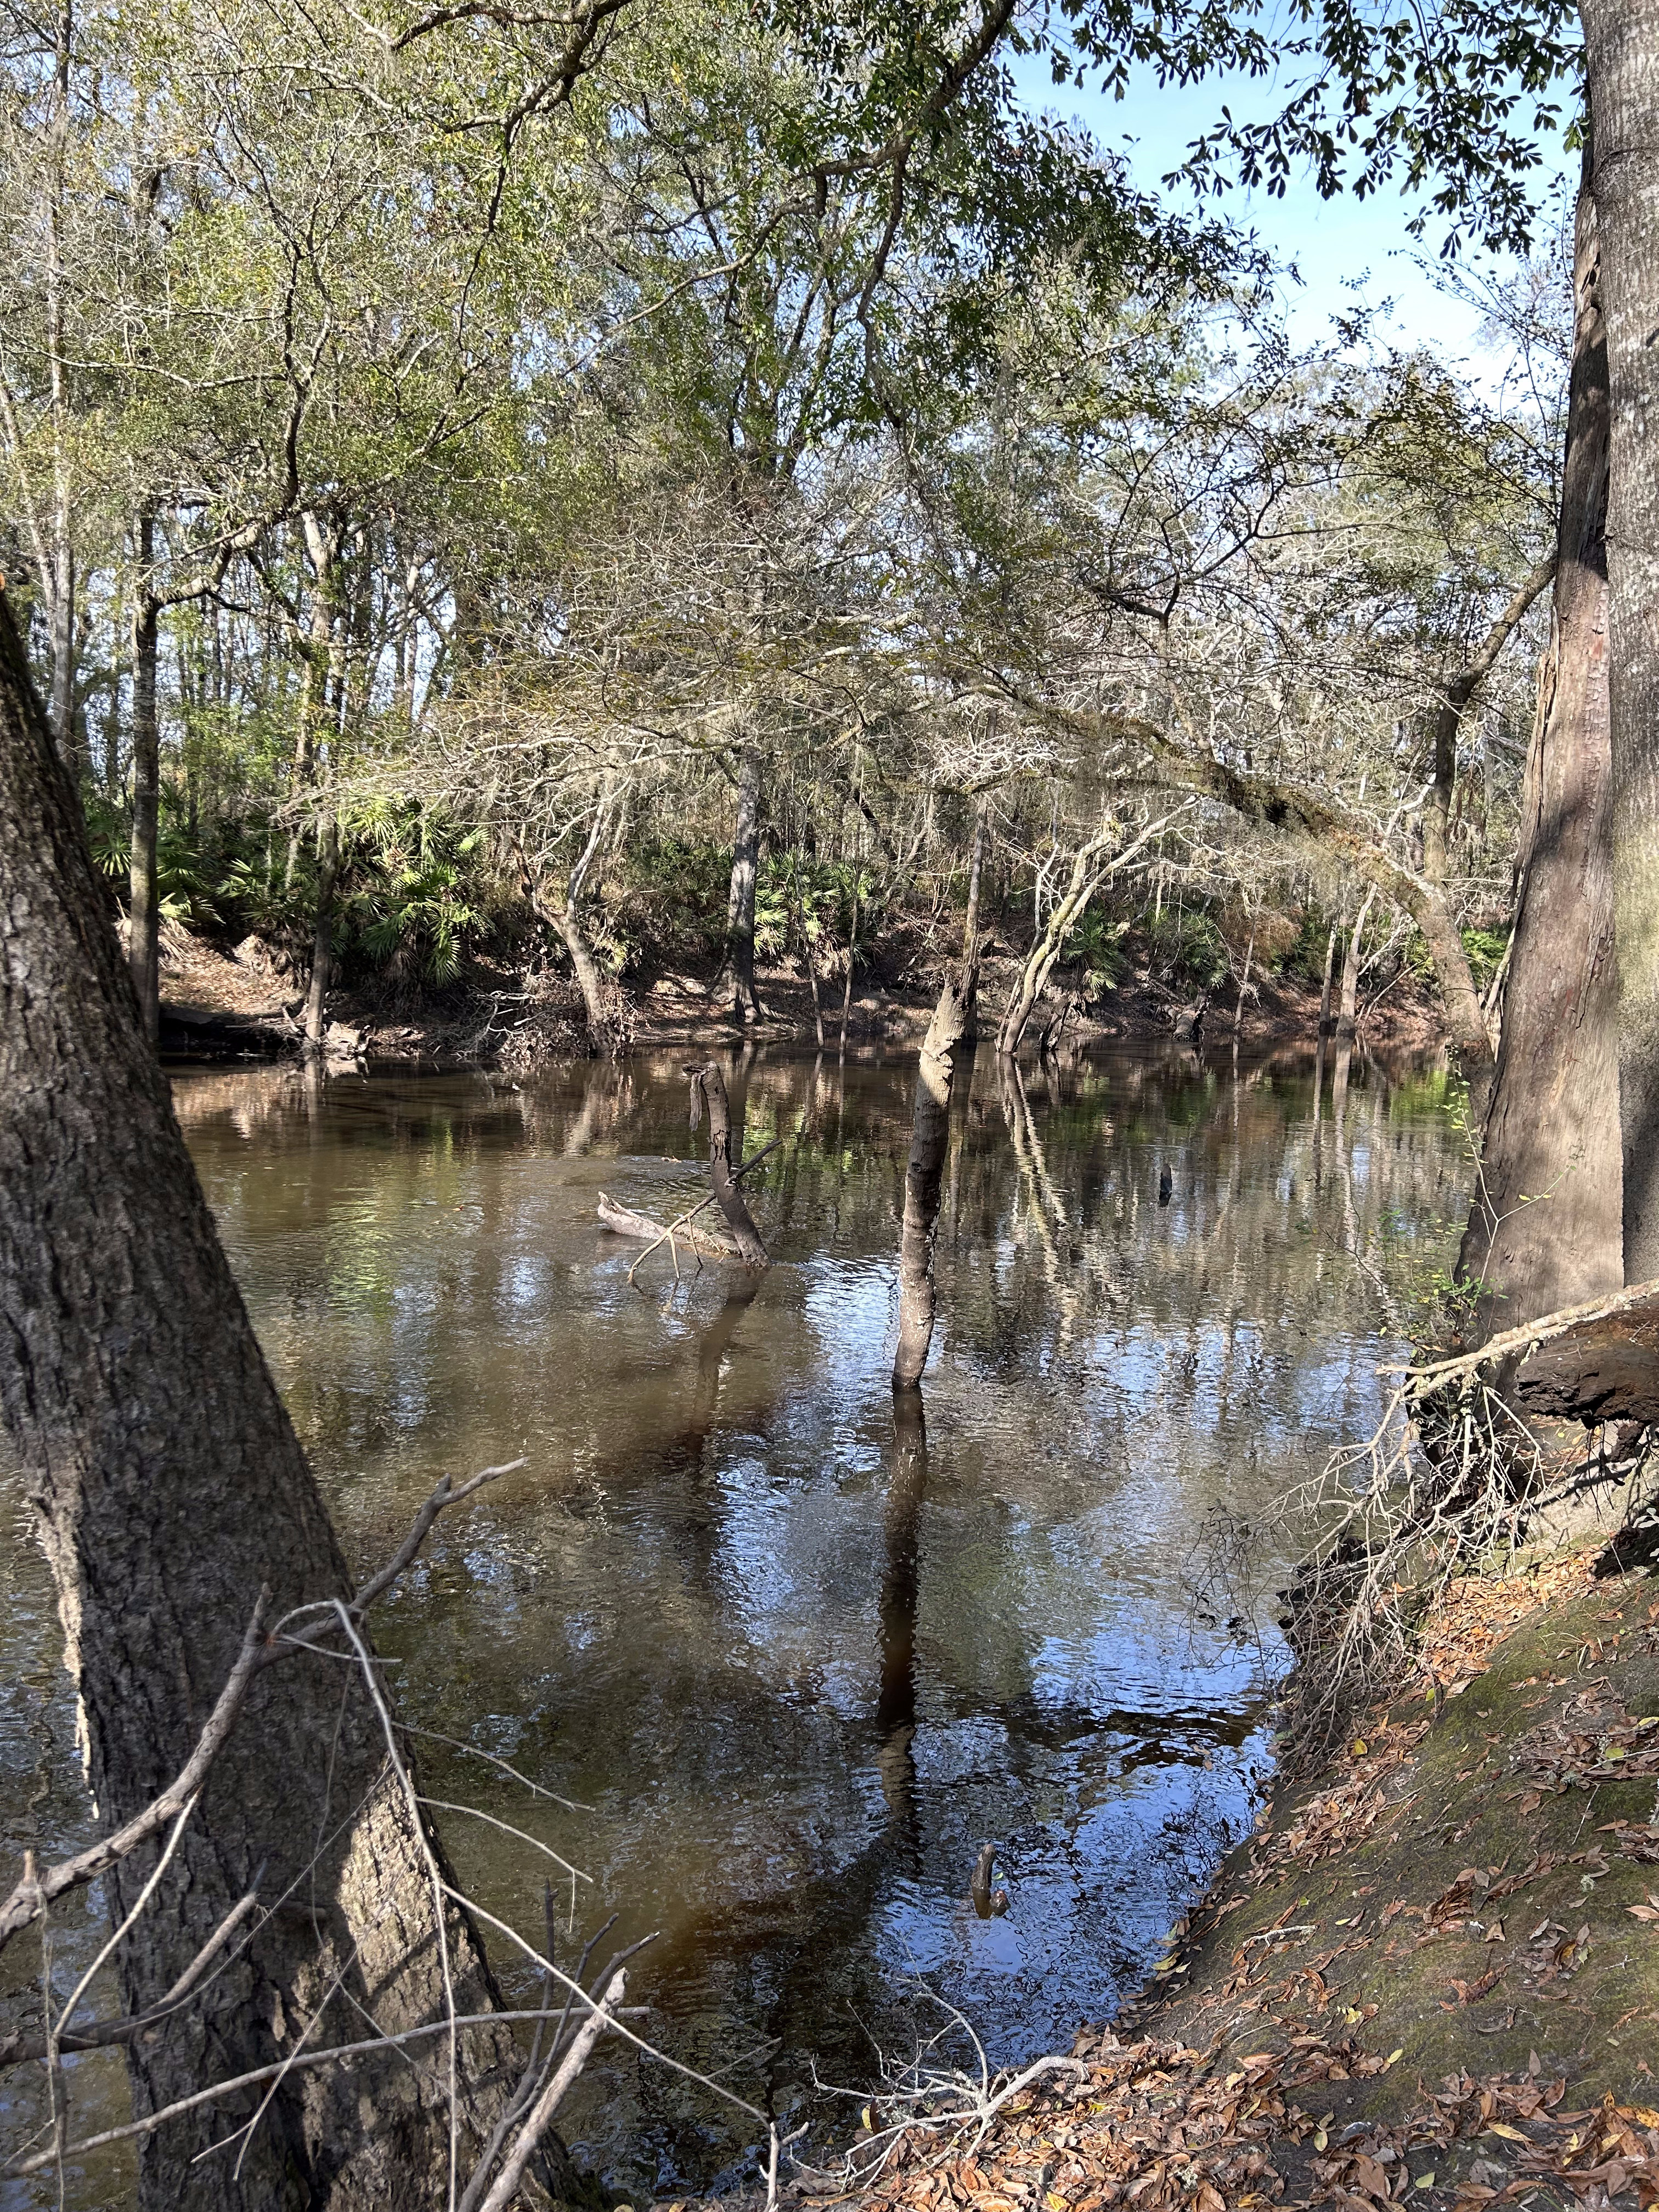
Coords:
pixel 171 1489
pixel 1545 1229
pixel 1622 71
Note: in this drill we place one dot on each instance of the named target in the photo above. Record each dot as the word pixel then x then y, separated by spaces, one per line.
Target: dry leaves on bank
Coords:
pixel 1160 2126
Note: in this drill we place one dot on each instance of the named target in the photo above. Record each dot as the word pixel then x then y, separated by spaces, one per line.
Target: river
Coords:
pixel 798 1661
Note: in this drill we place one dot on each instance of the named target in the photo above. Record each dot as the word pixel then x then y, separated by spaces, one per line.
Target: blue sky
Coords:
pixel 1346 251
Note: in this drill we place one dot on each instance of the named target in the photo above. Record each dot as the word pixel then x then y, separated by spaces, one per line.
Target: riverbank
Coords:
pixel 222 1005
pixel 1432 1973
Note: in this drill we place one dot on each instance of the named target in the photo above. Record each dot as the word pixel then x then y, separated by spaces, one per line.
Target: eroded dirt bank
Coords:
pixel 218 1005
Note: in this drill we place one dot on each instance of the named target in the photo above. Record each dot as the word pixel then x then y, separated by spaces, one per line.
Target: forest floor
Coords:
pixel 217 1003
pixel 1432 1973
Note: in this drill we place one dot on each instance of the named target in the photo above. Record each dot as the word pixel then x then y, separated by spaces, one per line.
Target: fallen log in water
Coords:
pixel 623 1221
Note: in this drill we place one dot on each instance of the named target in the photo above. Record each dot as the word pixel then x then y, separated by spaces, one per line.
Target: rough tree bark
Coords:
pixel 1551 1135
pixel 145 940
pixel 1621 40
pixel 736 980
pixel 708 1091
pixel 170 1485
pixel 924 1172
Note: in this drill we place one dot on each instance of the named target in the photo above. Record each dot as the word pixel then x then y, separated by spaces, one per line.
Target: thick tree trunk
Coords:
pixel 565 923
pixel 1545 1230
pixel 143 943
pixel 736 980
pixel 322 938
pixel 1622 59
pixel 925 1171
pixel 708 1091
pixel 170 1486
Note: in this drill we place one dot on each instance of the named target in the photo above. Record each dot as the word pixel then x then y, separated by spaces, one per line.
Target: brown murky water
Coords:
pixel 800 1666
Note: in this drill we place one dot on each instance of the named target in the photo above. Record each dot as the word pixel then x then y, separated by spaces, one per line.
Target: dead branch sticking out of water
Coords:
pixel 623 1221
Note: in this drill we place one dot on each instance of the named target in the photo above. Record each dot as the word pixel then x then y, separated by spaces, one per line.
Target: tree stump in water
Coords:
pixel 708 1092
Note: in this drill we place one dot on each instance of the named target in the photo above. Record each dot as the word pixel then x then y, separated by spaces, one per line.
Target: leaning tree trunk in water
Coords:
pixel 1545 1229
pixel 169 1487
pixel 1622 43
pixel 736 980
pixel 145 920
pixel 708 1092
pixel 924 1173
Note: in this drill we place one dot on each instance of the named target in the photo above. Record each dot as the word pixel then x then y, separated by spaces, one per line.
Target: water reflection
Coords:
pixel 801 1651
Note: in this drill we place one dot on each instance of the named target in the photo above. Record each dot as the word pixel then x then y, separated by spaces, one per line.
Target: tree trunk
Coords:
pixel 1545 1229
pixel 565 923
pixel 709 1090
pixel 895 1701
pixel 1455 692
pixel 170 1486
pixel 1325 989
pixel 143 942
pixel 808 961
pixel 322 941
pixel 976 870
pixel 736 980
pixel 1348 1006
pixel 1033 978
pixel 924 1174
pixel 1622 60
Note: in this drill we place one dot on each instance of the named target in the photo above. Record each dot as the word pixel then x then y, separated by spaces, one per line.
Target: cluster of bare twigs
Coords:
pixel 1452 1477
pixel 926 2098
pixel 574 2010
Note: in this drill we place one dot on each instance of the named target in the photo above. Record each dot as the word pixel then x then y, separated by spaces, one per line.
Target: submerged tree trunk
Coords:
pixel 144 941
pixel 925 1171
pixel 896 1702
pixel 1545 1228
pixel 708 1091
pixel 170 1486
pixel 736 980
pixel 1621 40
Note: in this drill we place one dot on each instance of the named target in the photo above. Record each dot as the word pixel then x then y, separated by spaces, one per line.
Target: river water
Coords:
pixel 797 1662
